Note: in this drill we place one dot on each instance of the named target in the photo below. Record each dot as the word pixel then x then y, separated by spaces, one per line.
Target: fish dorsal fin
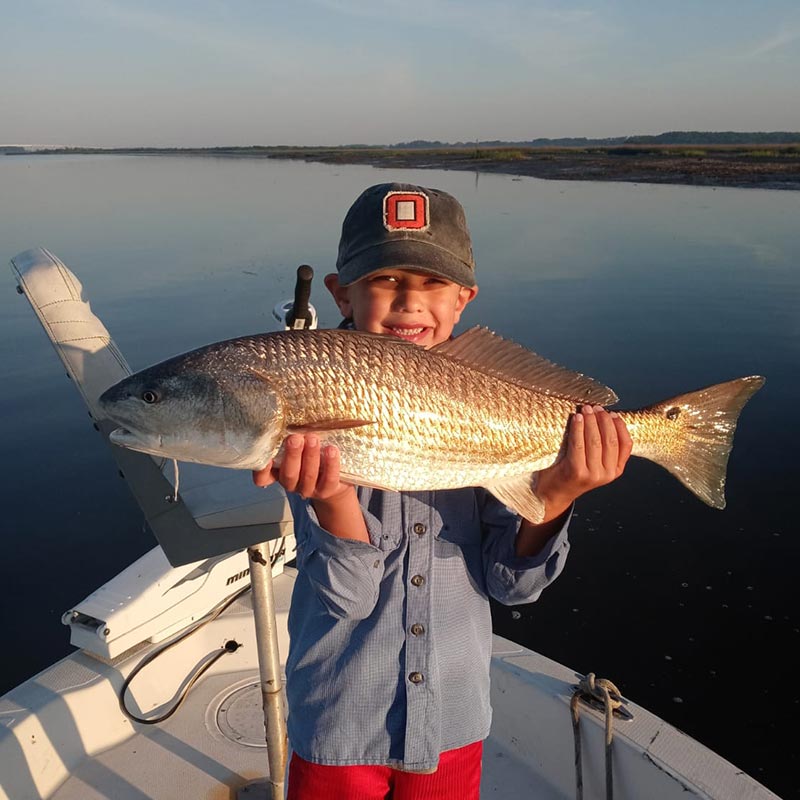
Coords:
pixel 489 353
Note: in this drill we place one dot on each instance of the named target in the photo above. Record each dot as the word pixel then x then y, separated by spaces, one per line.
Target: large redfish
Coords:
pixel 475 411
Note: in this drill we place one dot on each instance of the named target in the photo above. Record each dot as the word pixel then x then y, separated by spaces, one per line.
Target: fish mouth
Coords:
pixel 123 437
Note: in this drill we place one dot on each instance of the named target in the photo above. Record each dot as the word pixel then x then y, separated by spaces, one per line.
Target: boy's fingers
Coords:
pixel 575 443
pixel 309 467
pixel 592 441
pixel 263 477
pixel 625 443
pixel 610 443
pixel 290 465
pixel 329 472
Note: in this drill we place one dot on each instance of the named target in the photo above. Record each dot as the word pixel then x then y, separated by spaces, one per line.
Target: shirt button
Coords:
pixel 417 629
pixel 417 580
pixel 416 677
pixel 419 528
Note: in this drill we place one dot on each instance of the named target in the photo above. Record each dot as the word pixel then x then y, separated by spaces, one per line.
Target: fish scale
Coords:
pixel 436 426
pixel 474 411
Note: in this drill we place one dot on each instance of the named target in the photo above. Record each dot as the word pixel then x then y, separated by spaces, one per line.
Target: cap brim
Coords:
pixel 406 254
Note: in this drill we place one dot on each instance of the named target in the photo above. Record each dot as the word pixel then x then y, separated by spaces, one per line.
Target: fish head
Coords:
pixel 222 417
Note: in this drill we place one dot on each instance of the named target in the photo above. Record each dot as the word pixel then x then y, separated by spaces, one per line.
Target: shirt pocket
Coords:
pixel 388 540
pixel 382 515
pixel 460 518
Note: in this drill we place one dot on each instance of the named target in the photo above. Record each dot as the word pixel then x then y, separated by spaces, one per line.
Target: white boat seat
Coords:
pixel 218 510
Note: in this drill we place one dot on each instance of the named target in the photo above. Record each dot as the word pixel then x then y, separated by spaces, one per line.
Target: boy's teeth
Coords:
pixel 408 331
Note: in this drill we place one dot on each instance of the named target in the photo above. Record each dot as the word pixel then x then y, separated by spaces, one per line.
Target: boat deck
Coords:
pixel 195 761
pixel 63 735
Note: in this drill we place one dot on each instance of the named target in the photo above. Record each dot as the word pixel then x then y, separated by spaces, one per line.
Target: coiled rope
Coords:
pixel 231 646
pixel 598 692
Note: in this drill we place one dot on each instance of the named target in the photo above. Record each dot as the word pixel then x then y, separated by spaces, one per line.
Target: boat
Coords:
pixel 175 687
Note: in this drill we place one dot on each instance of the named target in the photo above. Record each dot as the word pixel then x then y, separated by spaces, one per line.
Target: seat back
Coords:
pixel 217 511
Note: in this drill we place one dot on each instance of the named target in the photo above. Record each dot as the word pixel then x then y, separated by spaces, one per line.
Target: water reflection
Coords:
pixel 652 289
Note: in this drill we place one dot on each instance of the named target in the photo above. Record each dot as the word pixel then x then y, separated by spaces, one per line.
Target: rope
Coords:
pixel 231 646
pixel 602 692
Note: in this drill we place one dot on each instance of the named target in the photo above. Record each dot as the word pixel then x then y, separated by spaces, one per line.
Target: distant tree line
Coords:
pixel 669 138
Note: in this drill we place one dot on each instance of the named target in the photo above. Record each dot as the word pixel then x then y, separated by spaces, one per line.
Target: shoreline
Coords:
pixel 715 168
pixel 754 166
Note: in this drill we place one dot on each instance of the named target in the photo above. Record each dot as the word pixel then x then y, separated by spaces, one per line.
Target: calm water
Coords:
pixel 652 289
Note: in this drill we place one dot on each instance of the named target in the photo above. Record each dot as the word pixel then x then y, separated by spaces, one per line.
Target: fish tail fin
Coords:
pixel 691 435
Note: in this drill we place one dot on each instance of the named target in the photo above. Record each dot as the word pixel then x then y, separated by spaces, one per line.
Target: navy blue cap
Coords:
pixel 401 225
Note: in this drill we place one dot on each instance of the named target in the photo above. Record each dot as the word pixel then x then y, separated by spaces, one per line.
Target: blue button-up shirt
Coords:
pixel 391 640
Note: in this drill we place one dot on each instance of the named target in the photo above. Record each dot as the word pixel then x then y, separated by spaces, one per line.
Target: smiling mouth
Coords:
pixel 405 332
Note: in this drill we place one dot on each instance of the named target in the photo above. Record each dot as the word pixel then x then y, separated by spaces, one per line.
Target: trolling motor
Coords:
pixel 298 314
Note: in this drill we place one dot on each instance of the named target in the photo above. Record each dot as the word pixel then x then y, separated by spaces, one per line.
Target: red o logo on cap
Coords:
pixel 405 211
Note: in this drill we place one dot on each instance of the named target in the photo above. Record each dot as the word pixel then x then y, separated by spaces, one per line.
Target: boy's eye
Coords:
pixel 384 278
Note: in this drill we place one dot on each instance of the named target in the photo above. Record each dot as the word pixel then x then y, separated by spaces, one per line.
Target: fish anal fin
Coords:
pixel 489 353
pixel 519 495
pixel 326 425
pixel 360 480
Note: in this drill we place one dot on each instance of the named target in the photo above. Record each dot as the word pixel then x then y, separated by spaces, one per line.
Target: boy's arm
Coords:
pixel 598 448
pixel 313 472
pixel 338 562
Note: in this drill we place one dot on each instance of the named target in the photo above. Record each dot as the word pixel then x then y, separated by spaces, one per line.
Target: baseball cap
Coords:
pixel 402 225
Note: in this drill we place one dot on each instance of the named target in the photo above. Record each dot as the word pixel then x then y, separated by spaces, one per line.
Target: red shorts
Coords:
pixel 457 778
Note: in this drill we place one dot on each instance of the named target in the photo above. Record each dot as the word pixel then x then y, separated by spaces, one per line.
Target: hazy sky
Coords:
pixel 237 72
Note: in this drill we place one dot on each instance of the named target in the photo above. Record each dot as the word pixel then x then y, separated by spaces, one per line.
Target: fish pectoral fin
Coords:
pixel 519 495
pixel 329 425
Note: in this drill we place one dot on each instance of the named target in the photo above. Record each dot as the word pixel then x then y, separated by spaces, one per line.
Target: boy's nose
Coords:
pixel 408 300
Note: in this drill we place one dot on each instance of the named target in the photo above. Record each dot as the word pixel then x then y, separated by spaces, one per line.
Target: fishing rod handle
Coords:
pixel 300 315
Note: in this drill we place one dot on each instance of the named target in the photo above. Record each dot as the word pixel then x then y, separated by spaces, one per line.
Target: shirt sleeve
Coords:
pixel 344 573
pixel 510 579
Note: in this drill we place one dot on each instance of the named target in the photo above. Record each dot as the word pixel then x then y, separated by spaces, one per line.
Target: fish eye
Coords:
pixel 149 396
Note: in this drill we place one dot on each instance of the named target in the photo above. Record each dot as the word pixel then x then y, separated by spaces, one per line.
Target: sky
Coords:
pixel 192 73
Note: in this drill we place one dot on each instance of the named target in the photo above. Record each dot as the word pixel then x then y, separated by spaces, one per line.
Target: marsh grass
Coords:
pixel 500 154
pixel 687 153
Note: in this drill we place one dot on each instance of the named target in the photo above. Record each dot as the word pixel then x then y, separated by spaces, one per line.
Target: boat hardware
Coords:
pixel 602 694
pixel 296 315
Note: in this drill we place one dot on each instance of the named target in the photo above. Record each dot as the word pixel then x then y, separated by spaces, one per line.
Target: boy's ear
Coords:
pixel 466 294
pixel 341 294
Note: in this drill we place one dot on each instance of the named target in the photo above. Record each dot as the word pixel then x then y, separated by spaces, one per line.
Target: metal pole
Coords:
pixel 269 664
pixel 298 317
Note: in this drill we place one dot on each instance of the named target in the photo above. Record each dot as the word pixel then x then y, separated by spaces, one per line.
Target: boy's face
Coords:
pixel 412 305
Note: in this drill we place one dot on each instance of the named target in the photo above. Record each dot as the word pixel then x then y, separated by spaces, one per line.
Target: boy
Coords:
pixel 388 668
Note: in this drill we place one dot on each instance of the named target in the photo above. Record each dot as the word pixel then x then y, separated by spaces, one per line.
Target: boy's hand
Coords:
pixel 598 448
pixel 313 472
pixel 305 468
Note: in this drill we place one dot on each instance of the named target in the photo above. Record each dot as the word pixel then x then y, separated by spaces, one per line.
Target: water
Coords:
pixel 652 289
